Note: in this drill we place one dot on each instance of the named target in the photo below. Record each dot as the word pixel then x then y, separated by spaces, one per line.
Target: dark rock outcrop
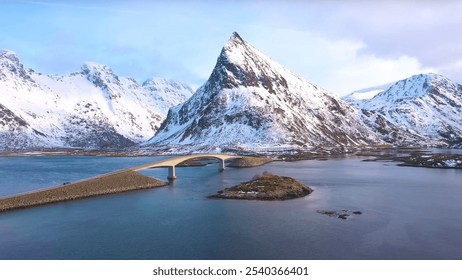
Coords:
pixel 266 187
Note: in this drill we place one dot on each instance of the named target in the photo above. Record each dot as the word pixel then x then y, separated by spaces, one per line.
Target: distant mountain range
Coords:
pixel 249 102
pixel 92 108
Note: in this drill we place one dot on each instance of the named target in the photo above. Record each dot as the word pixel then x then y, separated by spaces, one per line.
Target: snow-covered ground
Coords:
pixel 362 95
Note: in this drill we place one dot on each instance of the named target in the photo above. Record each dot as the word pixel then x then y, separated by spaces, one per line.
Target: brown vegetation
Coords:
pixel 416 158
pixel 266 187
pixel 106 184
pixel 192 162
pixel 248 161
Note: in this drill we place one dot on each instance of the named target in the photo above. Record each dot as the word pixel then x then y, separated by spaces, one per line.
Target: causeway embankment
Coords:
pixel 122 181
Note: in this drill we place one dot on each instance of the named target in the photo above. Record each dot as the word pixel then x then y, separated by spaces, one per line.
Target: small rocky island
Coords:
pixel 266 187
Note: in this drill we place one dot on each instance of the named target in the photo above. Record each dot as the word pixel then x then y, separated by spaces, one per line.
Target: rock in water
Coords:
pixel 266 187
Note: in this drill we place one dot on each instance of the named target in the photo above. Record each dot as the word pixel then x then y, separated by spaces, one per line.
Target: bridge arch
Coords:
pixel 173 162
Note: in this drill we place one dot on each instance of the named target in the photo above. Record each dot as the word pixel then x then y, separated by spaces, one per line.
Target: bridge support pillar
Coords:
pixel 222 165
pixel 171 173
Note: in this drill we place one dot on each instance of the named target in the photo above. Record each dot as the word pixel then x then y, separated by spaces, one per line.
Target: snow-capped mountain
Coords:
pixel 423 109
pixel 90 108
pixel 252 102
pixel 362 95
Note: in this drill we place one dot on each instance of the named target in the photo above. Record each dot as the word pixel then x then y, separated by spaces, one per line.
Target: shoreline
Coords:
pixel 110 183
pixel 116 182
pixel 129 180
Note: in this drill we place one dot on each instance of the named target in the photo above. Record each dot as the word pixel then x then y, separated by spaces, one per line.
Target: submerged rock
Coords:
pixel 344 214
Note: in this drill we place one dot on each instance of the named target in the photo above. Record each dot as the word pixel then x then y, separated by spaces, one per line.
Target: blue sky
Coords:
pixel 339 45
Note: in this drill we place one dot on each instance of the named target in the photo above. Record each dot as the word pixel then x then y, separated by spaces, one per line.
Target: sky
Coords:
pixel 341 46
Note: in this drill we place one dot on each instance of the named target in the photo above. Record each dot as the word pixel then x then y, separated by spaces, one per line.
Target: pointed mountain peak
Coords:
pixel 9 62
pixel 93 67
pixel 158 83
pixel 425 77
pixel 7 53
pixel 236 38
pixel 425 80
pixel 241 64
pixel 415 87
pixel 235 43
pixel 99 74
pixel 436 78
pixel 250 101
pixel 10 55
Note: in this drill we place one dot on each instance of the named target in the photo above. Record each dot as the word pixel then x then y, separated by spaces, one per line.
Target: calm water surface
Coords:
pixel 408 213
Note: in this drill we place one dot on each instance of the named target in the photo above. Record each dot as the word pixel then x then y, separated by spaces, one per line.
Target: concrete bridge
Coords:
pixel 173 162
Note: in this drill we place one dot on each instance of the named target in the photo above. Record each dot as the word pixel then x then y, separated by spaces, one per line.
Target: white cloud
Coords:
pixel 340 45
pixel 452 70
pixel 368 70
pixel 340 66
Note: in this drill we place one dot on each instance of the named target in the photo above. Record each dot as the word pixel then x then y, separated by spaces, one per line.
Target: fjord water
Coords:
pixel 408 213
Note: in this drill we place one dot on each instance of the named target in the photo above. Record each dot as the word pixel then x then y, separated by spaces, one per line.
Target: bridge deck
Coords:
pixel 177 160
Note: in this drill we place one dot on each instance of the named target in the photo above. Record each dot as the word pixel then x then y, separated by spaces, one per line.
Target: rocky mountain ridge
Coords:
pixel 92 108
pixel 249 103
pixel 425 109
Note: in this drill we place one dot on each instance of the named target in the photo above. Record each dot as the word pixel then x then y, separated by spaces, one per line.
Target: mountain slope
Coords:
pixel 423 109
pixel 91 108
pixel 251 102
pixel 362 95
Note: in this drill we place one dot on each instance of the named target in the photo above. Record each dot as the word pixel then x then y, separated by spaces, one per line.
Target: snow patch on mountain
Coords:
pixel 359 96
